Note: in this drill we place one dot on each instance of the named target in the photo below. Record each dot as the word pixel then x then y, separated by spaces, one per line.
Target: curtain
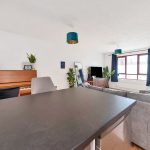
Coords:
pixel 114 66
pixel 148 69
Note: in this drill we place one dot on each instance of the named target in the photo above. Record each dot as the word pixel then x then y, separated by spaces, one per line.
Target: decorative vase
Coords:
pixel 33 66
pixel 71 86
pixel 107 83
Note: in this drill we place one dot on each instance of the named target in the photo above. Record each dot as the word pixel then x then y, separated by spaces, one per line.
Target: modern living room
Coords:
pixel 74 75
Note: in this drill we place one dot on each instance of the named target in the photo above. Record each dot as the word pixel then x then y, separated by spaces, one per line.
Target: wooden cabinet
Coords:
pixel 17 78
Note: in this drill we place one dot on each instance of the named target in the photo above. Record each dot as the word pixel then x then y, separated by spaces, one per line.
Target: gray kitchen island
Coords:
pixel 62 120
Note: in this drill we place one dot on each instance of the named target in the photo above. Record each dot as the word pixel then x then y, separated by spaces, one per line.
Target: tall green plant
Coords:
pixel 71 77
pixel 31 58
pixel 89 71
pixel 106 73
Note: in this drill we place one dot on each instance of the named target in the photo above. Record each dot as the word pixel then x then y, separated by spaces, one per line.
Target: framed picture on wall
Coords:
pixel 62 64
pixel 27 67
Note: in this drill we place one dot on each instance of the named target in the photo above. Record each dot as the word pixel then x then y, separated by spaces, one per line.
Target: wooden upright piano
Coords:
pixel 17 78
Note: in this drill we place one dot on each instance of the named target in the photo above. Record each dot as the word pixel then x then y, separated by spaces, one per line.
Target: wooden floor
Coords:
pixel 113 142
pixel 118 139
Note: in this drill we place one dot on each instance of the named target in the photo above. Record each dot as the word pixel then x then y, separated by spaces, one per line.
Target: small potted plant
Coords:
pixel 32 59
pixel 107 74
pixel 71 77
pixel 89 78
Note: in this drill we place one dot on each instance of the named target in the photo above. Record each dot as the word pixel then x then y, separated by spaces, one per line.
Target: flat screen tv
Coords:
pixel 96 71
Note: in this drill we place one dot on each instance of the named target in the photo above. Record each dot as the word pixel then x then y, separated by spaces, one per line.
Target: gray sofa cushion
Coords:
pixel 144 91
pixel 115 91
pixel 139 96
pixel 139 124
pixel 95 88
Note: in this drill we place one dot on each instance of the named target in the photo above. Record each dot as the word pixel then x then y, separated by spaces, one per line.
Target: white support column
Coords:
pixel 95 144
pixel 92 145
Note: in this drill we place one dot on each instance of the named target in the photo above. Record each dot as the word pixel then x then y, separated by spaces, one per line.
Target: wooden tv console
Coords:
pixel 17 78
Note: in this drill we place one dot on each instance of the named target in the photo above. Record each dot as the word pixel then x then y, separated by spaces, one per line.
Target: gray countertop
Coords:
pixel 62 120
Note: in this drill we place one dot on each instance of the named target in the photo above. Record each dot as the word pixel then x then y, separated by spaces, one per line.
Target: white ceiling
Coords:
pixel 107 24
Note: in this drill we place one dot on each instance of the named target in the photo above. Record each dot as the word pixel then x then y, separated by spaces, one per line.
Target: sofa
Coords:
pixel 139 116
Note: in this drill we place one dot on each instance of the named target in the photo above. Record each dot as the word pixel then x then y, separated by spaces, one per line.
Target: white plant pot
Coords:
pixel 33 66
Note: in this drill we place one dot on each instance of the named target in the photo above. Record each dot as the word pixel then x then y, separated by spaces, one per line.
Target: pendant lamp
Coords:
pixel 72 38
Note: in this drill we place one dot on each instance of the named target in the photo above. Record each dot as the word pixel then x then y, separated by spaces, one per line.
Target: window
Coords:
pixel 121 67
pixel 133 67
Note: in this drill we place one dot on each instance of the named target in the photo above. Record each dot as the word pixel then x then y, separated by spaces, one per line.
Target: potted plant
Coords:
pixel 71 77
pixel 89 74
pixel 107 74
pixel 32 59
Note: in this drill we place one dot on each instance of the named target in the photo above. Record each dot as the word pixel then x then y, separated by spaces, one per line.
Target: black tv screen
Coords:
pixel 96 71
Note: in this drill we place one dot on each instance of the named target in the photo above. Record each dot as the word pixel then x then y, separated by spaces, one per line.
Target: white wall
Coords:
pixel 132 85
pixel 13 48
pixel 40 27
